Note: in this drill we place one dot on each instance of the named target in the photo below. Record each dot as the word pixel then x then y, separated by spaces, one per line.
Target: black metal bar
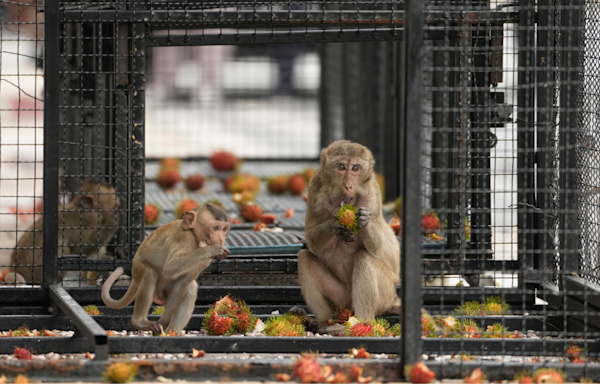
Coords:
pixel 569 86
pixel 273 37
pixel 330 94
pixel 526 138
pixel 543 260
pixel 411 185
pixel 265 344
pixel 51 134
pixel 347 19
pixel 90 329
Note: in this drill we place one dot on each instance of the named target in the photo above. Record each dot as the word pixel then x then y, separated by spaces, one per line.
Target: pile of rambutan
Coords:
pixel 288 324
pixel 493 305
pixel 92 310
pixel 370 328
pixel 229 316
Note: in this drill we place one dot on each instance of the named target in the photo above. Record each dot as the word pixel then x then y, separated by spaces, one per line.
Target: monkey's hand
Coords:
pixel 221 252
pixel 364 216
pixel 343 233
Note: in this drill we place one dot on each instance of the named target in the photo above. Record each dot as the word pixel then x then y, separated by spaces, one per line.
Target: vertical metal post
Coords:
pixel 332 114
pixel 545 130
pixel 51 134
pixel 411 185
pixel 569 198
pixel 525 139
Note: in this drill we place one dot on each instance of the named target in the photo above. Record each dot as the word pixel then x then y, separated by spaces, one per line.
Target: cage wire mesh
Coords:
pixel 509 178
pixel 509 183
pixel 21 124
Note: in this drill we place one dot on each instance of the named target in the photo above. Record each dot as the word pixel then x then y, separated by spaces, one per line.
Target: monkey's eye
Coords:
pixel 355 167
pixel 341 167
pixel 216 228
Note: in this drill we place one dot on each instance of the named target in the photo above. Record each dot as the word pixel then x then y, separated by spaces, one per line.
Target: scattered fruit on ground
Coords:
pixel 259 227
pixel 92 310
pixel 395 330
pixel 251 212
pixel 470 308
pixel 574 353
pixel 309 370
pixel 476 377
pixel 3 274
pixel 523 377
pixel 2 379
pixel 288 213
pixel 548 375
pixel 420 373
pixel 296 184
pixel 152 214
pixel 198 353
pixel 22 354
pixel 283 377
pixel 168 178
pixel 277 184
pixel 224 161
pixel 120 373
pixel 183 206
pixel 356 375
pixel 396 225
pixel 430 222
pixel 435 236
pixel 360 353
pixel 194 182
pixel 495 305
pixel 246 182
pixel 227 182
pixel 307 174
pixel 21 379
pixel 305 197
pixel 346 216
pixel 244 197
pixel 170 163
pixel 268 218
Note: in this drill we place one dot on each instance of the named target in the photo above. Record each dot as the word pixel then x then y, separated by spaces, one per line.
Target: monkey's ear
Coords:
pixel 189 219
pixel 88 202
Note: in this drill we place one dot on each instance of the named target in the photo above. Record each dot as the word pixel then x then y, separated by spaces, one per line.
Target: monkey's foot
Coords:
pixel 311 324
pixel 153 326
pixel 335 329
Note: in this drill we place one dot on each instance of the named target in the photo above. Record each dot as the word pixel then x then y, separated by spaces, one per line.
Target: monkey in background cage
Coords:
pixel 86 224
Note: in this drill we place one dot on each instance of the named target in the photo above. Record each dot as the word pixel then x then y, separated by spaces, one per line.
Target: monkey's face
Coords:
pixel 216 232
pixel 348 174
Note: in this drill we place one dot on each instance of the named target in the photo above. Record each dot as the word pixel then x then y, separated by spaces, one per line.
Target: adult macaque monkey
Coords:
pixel 340 269
pixel 166 265
pixel 86 223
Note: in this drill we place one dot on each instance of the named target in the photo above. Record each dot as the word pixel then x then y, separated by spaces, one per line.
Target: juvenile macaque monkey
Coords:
pixel 86 223
pixel 166 265
pixel 341 269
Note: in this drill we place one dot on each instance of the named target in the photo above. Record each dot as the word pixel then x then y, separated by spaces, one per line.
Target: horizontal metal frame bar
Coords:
pixel 249 18
pixel 280 262
pixel 292 295
pixel 265 344
pixel 90 329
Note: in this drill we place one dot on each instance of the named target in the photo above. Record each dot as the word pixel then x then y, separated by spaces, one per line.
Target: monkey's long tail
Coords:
pixel 127 297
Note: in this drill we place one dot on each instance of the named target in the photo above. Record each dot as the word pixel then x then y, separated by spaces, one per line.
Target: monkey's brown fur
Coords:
pixel 86 223
pixel 166 265
pixel 340 269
